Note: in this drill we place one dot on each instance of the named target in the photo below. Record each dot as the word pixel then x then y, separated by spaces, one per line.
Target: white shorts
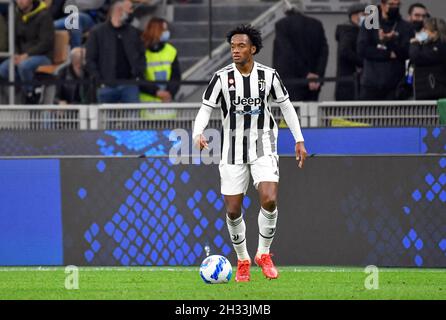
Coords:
pixel 235 177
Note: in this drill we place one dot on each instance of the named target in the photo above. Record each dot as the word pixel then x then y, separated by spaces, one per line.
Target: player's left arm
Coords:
pixel 281 97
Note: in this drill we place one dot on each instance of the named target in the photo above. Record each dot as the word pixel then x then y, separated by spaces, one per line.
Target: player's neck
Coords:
pixel 246 68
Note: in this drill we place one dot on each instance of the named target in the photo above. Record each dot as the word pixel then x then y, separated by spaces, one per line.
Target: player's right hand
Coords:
pixel 301 154
pixel 201 142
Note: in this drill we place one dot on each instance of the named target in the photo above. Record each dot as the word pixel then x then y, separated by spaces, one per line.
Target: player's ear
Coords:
pixel 253 49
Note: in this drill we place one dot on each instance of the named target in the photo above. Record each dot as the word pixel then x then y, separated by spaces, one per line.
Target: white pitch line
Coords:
pixel 195 269
pixel 95 269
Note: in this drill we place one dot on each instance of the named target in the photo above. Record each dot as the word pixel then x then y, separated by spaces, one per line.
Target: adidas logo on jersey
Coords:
pixel 253 102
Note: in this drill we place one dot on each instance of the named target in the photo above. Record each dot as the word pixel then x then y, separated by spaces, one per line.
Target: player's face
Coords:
pixel 241 48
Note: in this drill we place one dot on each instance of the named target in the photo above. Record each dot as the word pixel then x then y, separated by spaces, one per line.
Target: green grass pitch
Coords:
pixel 184 283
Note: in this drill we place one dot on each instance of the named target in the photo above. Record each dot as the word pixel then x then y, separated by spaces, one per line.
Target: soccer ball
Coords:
pixel 215 269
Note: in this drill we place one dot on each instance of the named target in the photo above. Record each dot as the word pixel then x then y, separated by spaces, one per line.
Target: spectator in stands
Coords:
pixel 300 52
pixel 116 52
pixel 4 9
pixel 130 6
pixel 428 54
pixel 3 34
pixel 348 61
pixel 417 14
pixel 34 39
pixel 384 52
pixel 69 92
pixel 86 22
pixel 162 63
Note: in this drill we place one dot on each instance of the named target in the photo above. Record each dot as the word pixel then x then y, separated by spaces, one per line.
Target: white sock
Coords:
pixel 267 228
pixel 237 231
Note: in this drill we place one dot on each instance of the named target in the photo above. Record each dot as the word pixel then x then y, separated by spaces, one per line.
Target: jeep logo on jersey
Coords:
pixel 253 102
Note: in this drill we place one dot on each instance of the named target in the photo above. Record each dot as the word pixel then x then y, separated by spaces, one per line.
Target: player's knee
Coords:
pixel 234 214
pixel 269 203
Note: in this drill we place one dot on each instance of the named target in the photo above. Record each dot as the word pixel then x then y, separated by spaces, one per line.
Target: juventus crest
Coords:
pixel 262 85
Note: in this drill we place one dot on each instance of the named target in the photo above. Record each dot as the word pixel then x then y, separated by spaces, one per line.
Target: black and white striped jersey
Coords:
pixel 249 129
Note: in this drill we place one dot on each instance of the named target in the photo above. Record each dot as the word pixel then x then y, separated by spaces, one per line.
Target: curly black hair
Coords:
pixel 253 34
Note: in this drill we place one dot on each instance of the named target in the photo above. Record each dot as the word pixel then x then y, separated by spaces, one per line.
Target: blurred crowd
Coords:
pixel 113 44
pixel 109 45
pixel 404 58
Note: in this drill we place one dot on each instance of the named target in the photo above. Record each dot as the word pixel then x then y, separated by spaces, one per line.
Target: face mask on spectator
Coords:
pixel 418 25
pixel 361 20
pixel 393 13
pixel 124 17
pixel 422 36
pixel 165 36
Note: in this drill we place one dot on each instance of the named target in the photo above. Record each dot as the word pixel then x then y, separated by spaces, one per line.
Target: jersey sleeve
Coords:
pixel 278 90
pixel 212 95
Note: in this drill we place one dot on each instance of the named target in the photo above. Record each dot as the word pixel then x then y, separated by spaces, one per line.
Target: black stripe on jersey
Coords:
pixel 281 84
pixel 210 88
pixel 232 119
pixel 271 121
pixel 261 119
pixel 224 107
pixel 231 83
pixel 273 91
pixel 232 147
pixel 222 135
pixel 246 118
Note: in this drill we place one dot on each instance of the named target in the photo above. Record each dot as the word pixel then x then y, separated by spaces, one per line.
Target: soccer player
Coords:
pixel 243 91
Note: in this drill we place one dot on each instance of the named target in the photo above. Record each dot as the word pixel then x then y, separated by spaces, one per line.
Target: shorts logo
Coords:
pixel 235 237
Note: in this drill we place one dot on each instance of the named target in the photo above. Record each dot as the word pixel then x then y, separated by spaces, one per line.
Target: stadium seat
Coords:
pixel 61 52
pixel 60 59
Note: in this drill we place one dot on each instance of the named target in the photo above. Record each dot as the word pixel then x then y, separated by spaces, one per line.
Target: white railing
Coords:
pixel 156 116
pixel 145 116
pixel 378 113
pixel 44 117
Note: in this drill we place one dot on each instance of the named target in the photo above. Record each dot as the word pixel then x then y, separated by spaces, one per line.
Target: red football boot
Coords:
pixel 242 274
pixel 269 270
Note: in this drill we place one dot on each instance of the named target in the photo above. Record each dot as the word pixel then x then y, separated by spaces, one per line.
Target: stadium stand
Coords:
pixel 60 59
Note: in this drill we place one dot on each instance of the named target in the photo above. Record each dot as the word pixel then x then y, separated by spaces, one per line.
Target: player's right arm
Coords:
pixel 211 99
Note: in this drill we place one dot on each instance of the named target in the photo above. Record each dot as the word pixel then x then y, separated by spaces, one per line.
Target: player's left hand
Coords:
pixel 201 142
pixel 301 154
